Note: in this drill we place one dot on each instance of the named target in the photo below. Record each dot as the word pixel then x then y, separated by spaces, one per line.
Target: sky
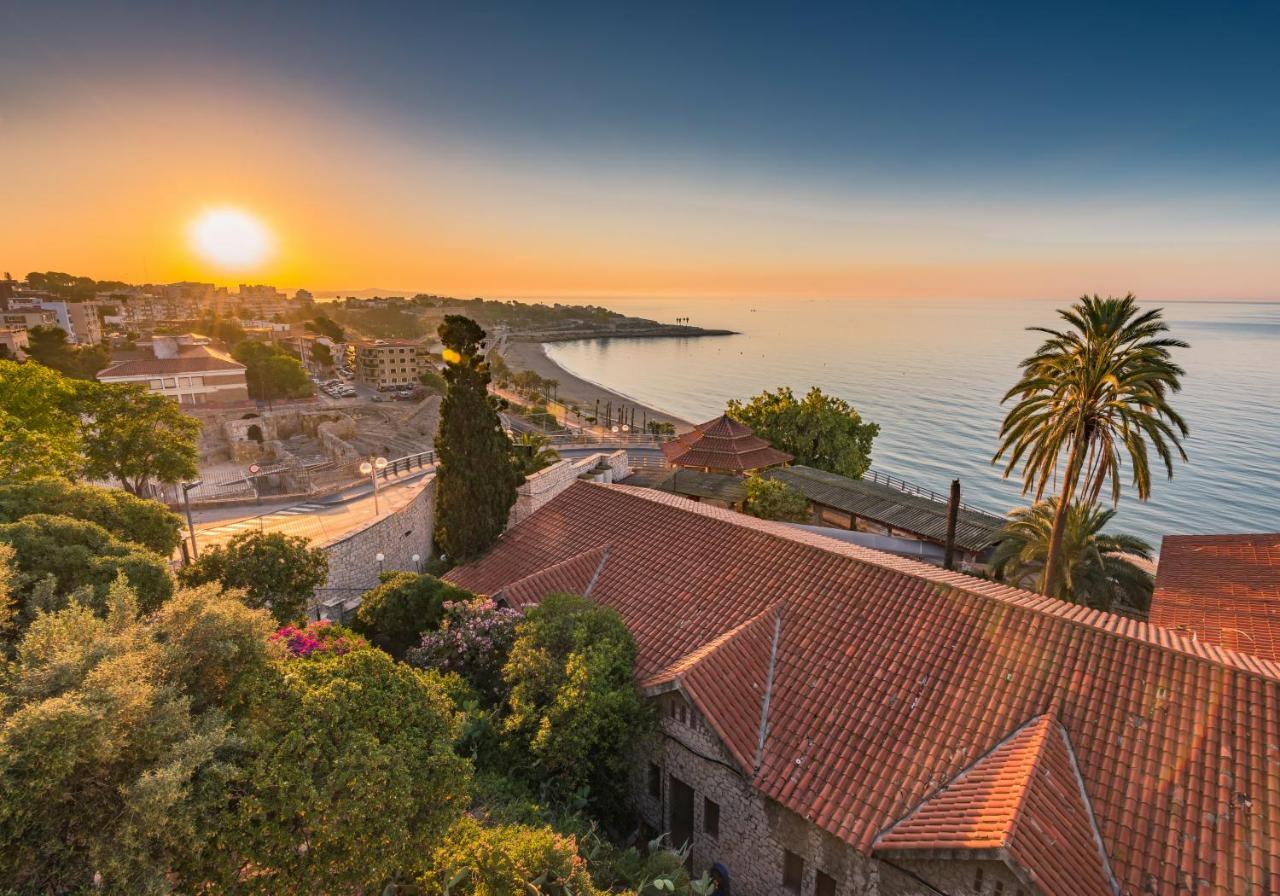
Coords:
pixel 602 149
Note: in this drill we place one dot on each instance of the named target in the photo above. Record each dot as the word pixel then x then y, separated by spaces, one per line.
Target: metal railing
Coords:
pixel 409 462
pixel 910 488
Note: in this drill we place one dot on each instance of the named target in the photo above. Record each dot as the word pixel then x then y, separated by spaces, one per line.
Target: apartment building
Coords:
pixel 186 369
pixel 390 362
pixel 13 343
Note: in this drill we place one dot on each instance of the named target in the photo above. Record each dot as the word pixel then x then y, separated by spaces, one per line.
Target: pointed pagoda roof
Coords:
pixel 723 444
pixel 1022 803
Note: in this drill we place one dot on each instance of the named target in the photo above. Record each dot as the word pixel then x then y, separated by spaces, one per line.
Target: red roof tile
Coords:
pixel 1224 589
pixel 1024 803
pixel 891 677
pixel 723 444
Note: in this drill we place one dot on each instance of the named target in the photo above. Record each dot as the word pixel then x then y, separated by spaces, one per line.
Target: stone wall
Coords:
pixel 353 558
pixel 755 833
pixel 545 484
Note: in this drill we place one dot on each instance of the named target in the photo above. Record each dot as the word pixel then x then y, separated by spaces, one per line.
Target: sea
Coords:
pixel 932 374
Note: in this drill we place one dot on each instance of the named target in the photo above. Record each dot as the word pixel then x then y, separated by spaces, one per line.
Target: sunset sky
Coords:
pixel 543 149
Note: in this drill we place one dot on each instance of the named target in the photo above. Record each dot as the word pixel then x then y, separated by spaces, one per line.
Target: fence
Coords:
pixel 911 488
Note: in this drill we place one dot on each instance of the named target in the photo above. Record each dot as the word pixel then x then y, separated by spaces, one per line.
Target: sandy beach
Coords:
pixel 572 389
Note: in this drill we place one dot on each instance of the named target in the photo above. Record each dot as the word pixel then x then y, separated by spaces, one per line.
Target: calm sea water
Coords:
pixel 932 373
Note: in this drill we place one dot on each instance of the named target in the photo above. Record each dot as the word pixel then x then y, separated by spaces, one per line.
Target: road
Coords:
pixel 320 519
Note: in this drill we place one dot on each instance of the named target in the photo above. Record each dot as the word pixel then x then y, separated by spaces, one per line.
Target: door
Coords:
pixel 681 813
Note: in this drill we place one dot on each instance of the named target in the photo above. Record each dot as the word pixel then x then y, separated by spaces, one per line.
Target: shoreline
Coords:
pixel 574 389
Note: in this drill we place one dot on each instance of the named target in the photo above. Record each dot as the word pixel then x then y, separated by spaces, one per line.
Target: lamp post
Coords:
pixel 417 563
pixel 191 526
pixel 371 468
pixel 380 557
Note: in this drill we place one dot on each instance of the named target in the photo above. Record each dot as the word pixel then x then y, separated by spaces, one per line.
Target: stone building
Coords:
pixel 389 362
pixel 836 721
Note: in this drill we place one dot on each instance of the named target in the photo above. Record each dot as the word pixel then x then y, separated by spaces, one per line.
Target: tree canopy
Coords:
pixel 39 423
pixel 126 516
pixel 275 571
pixel 49 346
pixel 136 436
pixel 271 372
pixel 403 606
pixel 475 480
pixel 773 499
pixel 819 430
pixel 58 558
pixel 326 326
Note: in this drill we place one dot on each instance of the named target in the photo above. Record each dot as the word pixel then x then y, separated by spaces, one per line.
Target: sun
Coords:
pixel 230 238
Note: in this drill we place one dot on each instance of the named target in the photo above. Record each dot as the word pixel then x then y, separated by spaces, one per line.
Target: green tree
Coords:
pixel 394 615
pixel 114 747
pixel 475 480
pixel 39 423
pixel 533 452
pixel 275 571
pixel 1096 393
pixel 58 558
pixel 505 860
pixel 130 518
pixel 433 381
pixel 575 714
pixel 350 781
pixel 1097 568
pixel 271 372
pixel 326 326
pixel 321 355
pixel 819 430
pixel 49 346
pixel 138 437
pixel 773 499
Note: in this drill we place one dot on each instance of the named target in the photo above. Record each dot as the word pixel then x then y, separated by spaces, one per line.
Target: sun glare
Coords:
pixel 230 238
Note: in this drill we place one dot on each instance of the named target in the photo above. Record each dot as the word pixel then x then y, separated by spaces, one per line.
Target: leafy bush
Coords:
pixel 474 640
pixel 395 614
pixel 503 860
pixel 56 557
pixel 575 714
pixel 318 639
pixel 276 571
pixel 125 516
pixel 773 499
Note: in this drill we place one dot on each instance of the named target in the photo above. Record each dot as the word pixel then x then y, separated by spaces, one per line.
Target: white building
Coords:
pixel 186 369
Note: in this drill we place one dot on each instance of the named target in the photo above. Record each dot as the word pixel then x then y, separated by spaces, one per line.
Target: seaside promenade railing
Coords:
pixel 910 488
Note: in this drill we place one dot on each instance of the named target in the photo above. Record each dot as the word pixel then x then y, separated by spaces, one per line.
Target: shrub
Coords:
pixel 125 516
pixel 318 639
pixel 395 614
pixel 474 640
pixel 507 859
pixel 773 499
pixel 56 557
pixel 275 571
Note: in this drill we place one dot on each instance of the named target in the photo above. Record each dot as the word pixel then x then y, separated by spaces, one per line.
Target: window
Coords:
pixel 655 780
pixel 710 818
pixel 825 885
pixel 157 385
pixel 197 381
pixel 792 871
pixel 170 383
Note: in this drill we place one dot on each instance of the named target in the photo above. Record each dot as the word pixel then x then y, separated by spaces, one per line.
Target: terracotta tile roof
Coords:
pixel 1022 803
pixel 723 444
pixel 1224 589
pixel 891 677
pixel 193 359
pixel 891 507
pixel 574 576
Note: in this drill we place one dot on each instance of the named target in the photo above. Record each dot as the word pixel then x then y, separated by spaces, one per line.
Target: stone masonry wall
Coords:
pixel 755 833
pixel 398 536
pixel 545 484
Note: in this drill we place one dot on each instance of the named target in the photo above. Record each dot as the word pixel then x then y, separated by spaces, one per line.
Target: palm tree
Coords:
pixel 533 452
pixel 1098 569
pixel 1096 392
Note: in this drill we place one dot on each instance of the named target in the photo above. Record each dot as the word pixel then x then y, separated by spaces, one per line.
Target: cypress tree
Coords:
pixel 476 481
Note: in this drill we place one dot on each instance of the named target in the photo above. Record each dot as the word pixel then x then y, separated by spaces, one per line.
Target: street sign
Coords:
pixel 254 469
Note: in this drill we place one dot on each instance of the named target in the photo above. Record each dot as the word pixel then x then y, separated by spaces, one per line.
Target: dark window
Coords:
pixel 655 780
pixel 710 817
pixel 792 871
pixel 977 880
pixel 825 885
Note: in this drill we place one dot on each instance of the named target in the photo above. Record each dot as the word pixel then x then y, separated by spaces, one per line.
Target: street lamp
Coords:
pixel 186 499
pixel 417 563
pixel 371 468
pixel 380 557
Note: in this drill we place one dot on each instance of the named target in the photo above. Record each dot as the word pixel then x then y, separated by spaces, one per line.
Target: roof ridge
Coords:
pixel 768 692
pixel 1158 638
pixel 687 661
pixel 950 782
pixel 559 564
pixel 1039 726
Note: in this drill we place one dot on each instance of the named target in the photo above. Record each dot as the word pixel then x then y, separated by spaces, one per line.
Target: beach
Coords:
pixel 575 390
